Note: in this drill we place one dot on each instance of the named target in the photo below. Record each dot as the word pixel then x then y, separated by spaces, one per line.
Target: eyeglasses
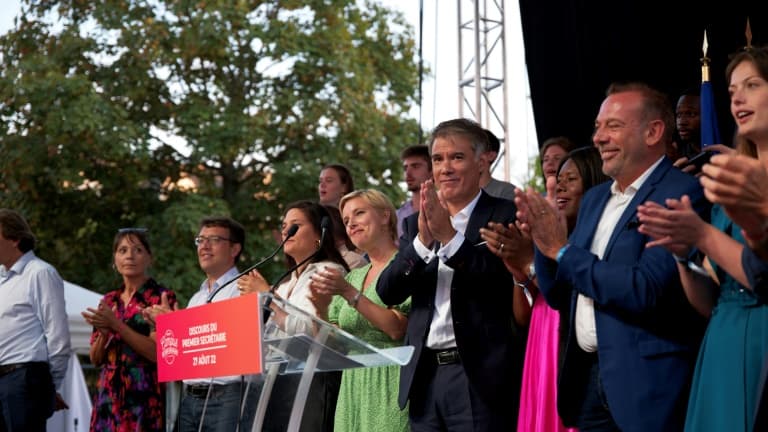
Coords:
pixel 212 240
pixel 132 230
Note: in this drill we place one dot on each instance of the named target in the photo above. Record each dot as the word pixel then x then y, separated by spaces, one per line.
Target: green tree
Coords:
pixel 536 175
pixel 155 113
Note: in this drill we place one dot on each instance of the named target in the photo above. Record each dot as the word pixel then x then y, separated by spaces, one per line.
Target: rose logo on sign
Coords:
pixel 170 345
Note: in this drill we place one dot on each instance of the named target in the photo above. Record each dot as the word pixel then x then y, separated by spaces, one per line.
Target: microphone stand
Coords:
pixel 291 232
pixel 324 224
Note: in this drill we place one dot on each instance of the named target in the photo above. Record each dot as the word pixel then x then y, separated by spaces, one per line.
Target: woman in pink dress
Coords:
pixel 578 171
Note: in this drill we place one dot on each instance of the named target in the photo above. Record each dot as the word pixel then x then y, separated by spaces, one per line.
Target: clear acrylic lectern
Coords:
pixel 305 345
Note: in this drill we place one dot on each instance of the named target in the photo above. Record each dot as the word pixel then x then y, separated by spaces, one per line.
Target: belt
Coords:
pixel 8 368
pixel 446 357
pixel 201 390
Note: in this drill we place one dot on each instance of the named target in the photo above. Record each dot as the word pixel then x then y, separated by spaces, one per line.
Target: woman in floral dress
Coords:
pixel 129 397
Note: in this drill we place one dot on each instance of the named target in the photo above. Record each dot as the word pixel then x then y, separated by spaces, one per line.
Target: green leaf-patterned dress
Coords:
pixel 368 396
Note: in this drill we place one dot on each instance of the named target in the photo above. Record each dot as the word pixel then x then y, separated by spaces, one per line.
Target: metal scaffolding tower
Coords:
pixel 483 69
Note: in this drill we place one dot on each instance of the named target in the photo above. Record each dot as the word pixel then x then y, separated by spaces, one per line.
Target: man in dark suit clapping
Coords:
pixel 465 372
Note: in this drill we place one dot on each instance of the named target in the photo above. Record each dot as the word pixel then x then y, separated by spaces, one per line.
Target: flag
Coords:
pixel 709 131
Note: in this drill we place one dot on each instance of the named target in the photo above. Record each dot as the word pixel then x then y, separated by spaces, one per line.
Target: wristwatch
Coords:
pixel 354 300
pixel 531 272
pixel 526 285
pixel 530 275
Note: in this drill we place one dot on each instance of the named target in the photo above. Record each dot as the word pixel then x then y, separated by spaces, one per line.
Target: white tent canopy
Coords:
pixel 78 299
pixel 74 390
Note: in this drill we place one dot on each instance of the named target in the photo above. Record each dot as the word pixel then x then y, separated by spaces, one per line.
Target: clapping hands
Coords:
pixel 539 218
pixel 514 247
pixel 150 313
pixel 325 284
pixel 434 218
pixel 252 282
pixel 102 317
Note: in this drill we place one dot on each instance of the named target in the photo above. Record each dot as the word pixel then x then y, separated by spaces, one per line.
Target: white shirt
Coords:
pixel 441 334
pixel 296 292
pixel 33 316
pixel 586 331
pixel 200 298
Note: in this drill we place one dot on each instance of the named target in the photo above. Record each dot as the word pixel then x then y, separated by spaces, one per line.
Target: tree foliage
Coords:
pixel 536 179
pixel 156 113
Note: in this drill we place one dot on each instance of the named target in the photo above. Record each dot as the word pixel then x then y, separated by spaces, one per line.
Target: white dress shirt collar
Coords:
pixel 638 183
pixel 18 266
pixel 226 277
pixel 461 219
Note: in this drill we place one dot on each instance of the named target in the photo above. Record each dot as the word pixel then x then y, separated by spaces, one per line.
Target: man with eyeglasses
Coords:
pixel 219 245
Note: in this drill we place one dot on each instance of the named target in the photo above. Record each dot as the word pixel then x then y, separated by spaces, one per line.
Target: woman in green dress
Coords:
pixel 725 383
pixel 368 397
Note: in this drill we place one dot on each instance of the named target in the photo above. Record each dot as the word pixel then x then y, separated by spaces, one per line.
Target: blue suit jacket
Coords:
pixel 481 305
pixel 648 334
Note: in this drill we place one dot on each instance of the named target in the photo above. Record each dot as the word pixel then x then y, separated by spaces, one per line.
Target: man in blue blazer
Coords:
pixel 633 336
pixel 466 369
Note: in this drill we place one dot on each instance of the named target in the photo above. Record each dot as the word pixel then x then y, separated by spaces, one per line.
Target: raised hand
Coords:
pixel 330 281
pixel 325 284
pixel 677 227
pixel 508 243
pixel 252 282
pixel 738 183
pixel 436 217
pixel 682 163
pixel 101 317
pixel 425 235
pixel 551 185
pixel 540 219
pixel 150 313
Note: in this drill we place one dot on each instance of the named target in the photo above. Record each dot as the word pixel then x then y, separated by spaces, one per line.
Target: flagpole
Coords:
pixel 705 60
pixel 709 130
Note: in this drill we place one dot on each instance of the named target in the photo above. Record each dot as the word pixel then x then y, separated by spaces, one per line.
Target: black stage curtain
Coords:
pixel 576 48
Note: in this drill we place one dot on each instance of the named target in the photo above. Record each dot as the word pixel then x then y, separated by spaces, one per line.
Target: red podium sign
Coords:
pixel 216 339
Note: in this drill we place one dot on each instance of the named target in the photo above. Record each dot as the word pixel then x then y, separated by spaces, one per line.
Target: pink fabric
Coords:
pixel 538 395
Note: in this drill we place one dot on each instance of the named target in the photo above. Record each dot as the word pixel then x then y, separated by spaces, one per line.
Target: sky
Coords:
pixel 440 90
pixel 7 14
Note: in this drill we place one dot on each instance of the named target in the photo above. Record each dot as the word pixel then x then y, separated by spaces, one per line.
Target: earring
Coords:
pixel 318 243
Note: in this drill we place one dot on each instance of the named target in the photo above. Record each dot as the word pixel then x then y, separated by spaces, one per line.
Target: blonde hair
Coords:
pixel 377 200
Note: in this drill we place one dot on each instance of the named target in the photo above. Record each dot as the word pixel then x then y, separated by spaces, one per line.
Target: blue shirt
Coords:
pixel 33 316
pixel 200 298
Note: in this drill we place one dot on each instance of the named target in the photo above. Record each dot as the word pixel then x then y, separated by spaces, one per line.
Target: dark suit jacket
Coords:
pixel 481 305
pixel 648 334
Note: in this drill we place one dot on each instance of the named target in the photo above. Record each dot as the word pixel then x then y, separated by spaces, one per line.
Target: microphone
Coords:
pixel 291 232
pixel 325 223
